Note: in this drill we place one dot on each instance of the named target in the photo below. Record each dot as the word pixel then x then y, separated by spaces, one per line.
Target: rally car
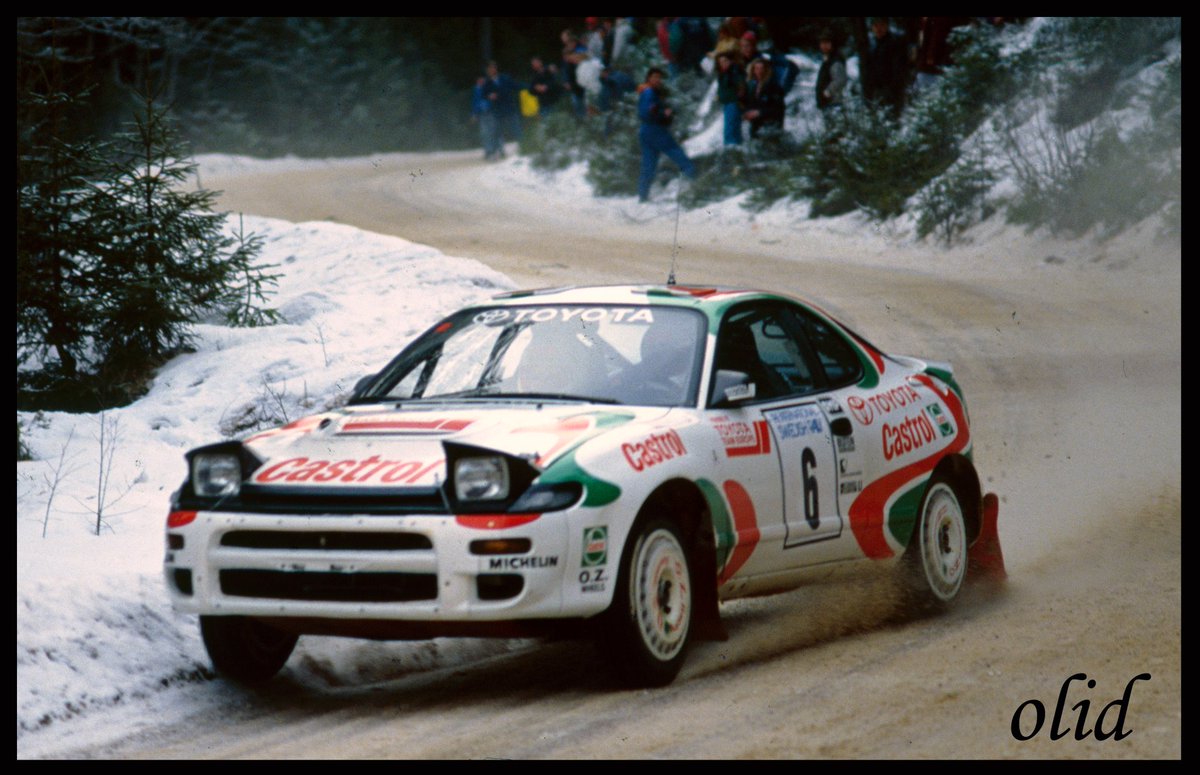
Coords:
pixel 610 462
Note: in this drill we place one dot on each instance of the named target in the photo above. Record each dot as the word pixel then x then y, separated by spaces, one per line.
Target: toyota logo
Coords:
pixel 491 317
pixel 860 409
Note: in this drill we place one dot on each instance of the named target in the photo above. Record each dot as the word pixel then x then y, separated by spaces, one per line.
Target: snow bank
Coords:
pixel 94 625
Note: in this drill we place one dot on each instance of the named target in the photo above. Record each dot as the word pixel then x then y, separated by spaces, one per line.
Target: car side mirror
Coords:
pixel 732 387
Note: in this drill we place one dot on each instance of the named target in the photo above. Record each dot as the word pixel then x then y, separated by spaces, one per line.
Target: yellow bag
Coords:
pixel 529 104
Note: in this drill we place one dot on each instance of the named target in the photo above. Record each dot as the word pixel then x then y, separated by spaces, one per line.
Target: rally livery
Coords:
pixel 610 462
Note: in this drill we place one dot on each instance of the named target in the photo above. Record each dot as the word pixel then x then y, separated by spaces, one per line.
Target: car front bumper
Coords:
pixel 423 568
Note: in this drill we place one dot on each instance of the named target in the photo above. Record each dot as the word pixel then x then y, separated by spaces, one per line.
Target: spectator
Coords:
pixel 933 46
pixel 783 70
pixel 728 42
pixel 599 42
pixel 594 38
pixel 831 78
pixel 622 43
pixel 690 40
pixel 654 135
pixel 502 93
pixel 763 103
pixel 731 90
pixel 573 54
pixel 740 25
pixel 481 112
pixel 663 32
pixel 544 84
pixel 618 59
pixel 885 69
pixel 602 84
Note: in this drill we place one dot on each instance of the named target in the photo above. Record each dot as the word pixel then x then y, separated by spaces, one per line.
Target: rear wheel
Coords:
pixel 936 560
pixel 651 611
pixel 245 650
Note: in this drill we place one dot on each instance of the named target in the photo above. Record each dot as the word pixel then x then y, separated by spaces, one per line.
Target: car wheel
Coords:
pixel 652 606
pixel 244 649
pixel 936 560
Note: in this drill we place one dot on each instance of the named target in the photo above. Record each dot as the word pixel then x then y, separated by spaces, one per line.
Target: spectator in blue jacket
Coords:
pixel 481 112
pixel 654 135
pixel 502 94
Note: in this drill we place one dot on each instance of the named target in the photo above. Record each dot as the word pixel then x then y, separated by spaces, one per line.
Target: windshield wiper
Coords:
pixel 485 394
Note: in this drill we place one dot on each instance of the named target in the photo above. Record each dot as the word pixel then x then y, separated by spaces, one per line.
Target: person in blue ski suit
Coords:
pixel 501 92
pixel 654 134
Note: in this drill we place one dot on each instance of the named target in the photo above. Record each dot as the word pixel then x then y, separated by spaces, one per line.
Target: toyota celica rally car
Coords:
pixel 610 462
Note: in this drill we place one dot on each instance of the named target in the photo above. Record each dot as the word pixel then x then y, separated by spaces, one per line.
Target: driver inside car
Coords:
pixel 662 373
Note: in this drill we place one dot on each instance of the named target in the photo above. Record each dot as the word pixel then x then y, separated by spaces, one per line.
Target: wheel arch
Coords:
pixel 682 501
pixel 960 473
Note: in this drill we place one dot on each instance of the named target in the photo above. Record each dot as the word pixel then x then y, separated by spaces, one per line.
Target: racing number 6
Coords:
pixel 808 461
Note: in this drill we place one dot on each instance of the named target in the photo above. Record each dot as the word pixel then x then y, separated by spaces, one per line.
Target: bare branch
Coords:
pixel 60 472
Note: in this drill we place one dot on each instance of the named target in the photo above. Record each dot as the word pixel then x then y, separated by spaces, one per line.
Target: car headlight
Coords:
pixel 481 478
pixel 216 475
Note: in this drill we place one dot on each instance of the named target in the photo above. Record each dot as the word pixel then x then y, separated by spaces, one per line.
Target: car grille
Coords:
pixel 255 499
pixel 330 540
pixel 330 587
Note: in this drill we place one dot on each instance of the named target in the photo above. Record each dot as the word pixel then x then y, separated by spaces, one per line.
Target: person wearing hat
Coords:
pixel 748 47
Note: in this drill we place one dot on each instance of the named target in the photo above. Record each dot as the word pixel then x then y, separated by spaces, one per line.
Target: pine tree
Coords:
pixel 57 231
pixel 170 259
pixel 248 288
pixel 56 234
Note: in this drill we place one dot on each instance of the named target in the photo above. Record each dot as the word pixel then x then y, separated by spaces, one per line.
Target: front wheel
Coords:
pixel 651 611
pixel 936 560
pixel 245 649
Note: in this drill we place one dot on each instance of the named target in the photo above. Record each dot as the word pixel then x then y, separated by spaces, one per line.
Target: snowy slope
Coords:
pixel 94 628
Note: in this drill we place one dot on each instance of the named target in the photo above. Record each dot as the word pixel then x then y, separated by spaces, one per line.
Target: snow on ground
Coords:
pixel 94 627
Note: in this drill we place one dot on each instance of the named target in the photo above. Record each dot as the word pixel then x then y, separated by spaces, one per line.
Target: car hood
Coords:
pixel 402 447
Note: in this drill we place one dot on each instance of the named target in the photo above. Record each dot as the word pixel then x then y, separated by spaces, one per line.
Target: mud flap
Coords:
pixel 708 625
pixel 706 620
pixel 985 559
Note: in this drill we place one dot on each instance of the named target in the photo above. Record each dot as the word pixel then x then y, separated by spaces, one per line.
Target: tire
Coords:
pixel 651 614
pixel 245 650
pixel 936 560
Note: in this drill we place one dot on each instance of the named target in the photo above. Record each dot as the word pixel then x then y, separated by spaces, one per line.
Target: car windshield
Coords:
pixel 638 355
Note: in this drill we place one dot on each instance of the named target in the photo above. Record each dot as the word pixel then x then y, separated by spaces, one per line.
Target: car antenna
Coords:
pixel 674 243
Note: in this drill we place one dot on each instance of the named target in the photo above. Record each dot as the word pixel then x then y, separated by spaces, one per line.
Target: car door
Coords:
pixel 841 368
pixel 791 430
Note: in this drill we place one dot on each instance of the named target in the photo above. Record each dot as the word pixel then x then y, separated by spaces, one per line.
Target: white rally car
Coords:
pixel 610 462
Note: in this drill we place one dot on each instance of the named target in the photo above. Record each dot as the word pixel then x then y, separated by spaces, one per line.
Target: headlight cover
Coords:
pixel 481 478
pixel 216 474
pixel 549 497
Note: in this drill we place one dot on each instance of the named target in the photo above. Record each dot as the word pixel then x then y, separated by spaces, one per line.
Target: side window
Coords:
pixel 757 340
pixel 837 357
